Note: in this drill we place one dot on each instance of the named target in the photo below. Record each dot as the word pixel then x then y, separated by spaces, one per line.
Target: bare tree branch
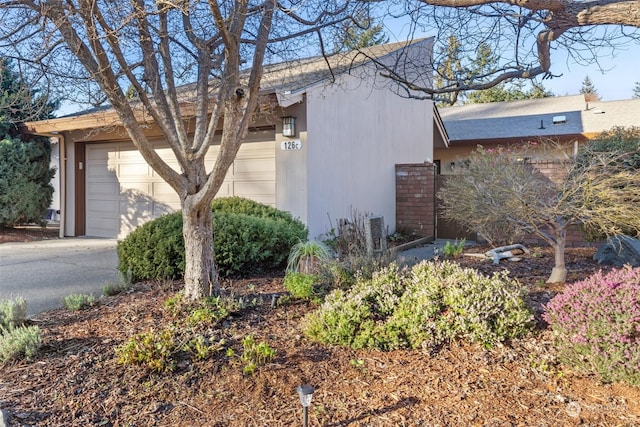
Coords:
pixel 525 32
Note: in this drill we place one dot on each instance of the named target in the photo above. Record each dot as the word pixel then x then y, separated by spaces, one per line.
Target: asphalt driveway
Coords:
pixel 46 271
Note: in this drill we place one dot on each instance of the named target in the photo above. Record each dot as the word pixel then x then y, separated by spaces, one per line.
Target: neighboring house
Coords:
pixel 351 130
pixel 568 120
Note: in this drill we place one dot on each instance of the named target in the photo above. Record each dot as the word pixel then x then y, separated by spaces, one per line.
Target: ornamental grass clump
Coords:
pixel 422 308
pixel 597 325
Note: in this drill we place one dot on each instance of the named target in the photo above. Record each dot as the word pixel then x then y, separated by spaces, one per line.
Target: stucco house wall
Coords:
pixel 358 134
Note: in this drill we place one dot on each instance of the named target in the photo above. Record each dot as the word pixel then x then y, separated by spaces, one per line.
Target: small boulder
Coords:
pixel 618 251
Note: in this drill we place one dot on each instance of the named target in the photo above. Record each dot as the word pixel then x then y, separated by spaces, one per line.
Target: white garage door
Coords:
pixel 123 192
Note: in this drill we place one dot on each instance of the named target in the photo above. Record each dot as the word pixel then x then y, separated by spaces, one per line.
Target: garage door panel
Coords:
pixel 250 188
pixel 96 171
pixel 164 191
pixel 101 189
pixel 100 153
pixel 160 209
pixel 135 187
pixel 123 192
pixel 254 166
pixel 137 208
pixel 225 189
pixel 102 207
pixel 133 170
pixel 128 153
pixel 102 227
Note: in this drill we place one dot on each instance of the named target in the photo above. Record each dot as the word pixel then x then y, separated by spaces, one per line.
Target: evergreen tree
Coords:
pixel 452 69
pixel 360 34
pixel 508 92
pixel 636 90
pixel 448 71
pixel 588 87
pixel 25 173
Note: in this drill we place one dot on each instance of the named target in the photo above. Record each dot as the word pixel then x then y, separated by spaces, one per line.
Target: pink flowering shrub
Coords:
pixel 597 324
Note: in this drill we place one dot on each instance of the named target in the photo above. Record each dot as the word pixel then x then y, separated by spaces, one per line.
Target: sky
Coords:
pixel 616 82
pixel 614 77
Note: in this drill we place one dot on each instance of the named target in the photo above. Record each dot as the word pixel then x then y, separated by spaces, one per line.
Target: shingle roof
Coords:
pixel 294 76
pixel 534 117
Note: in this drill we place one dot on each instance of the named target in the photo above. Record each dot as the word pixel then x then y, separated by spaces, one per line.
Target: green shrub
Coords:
pixel 25 180
pixel 18 342
pixel 453 249
pixel 423 307
pixel 621 140
pixel 597 325
pixel 75 302
pixel 160 350
pixel 246 244
pixel 301 285
pixel 202 349
pixel 240 205
pixel 155 350
pixel 345 271
pixel 12 312
pixel 154 250
pixel 255 354
pixel 243 243
pixel 624 145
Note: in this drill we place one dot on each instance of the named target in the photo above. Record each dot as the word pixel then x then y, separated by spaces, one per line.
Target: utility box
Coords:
pixel 375 234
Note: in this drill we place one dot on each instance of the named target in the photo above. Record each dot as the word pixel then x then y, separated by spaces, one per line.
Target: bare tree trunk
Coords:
pixel 199 270
pixel 559 272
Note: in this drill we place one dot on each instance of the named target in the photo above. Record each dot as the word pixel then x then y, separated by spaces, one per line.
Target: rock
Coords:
pixel 5 418
pixel 573 409
pixel 618 251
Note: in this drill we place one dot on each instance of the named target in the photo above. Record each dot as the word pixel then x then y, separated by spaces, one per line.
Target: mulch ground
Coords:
pixel 28 233
pixel 76 380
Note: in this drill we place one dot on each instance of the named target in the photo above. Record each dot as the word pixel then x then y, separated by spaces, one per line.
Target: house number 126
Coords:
pixel 291 145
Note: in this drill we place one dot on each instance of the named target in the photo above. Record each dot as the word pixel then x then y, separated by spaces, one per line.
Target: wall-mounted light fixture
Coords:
pixel 289 126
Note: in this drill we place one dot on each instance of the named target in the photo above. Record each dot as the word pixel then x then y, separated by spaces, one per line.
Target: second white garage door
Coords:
pixel 123 192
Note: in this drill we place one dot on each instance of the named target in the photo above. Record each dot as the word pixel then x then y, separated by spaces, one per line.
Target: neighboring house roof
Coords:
pixel 287 80
pixel 532 118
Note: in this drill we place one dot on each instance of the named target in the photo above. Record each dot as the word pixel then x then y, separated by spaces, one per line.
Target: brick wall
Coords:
pixel 554 170
pixel 575 239
pixel 415 199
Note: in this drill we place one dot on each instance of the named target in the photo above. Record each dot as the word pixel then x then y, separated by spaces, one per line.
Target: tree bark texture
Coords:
pixel 200 272
pixel 559 272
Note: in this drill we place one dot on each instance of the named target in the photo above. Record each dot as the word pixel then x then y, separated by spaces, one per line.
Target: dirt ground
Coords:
pixel 76 380
pixel 28 233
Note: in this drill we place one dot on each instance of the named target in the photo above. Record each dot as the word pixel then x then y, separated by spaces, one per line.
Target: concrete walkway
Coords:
pixel 46 271
pixel 428 251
